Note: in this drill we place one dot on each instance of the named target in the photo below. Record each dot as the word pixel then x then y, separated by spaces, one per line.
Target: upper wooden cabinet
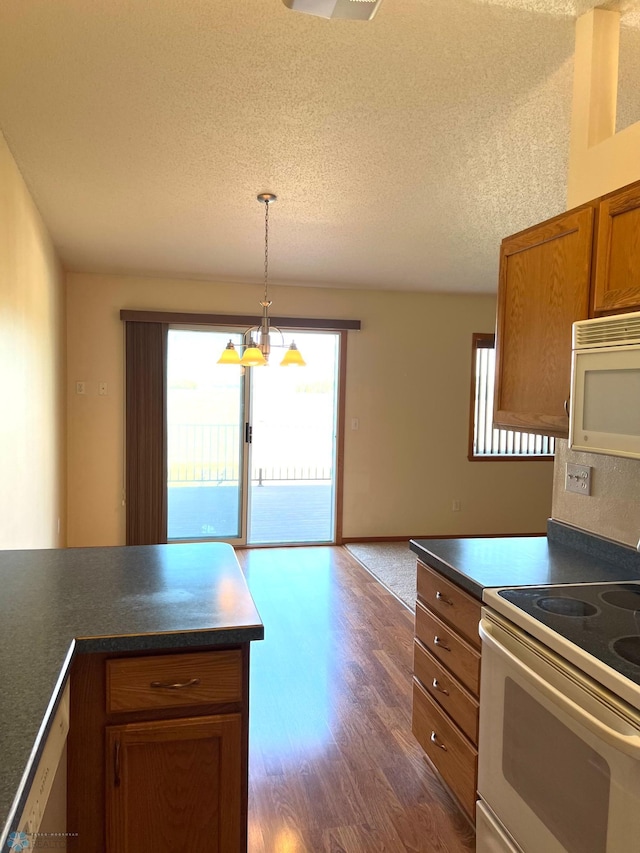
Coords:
pixel 617 274
pixel 544 286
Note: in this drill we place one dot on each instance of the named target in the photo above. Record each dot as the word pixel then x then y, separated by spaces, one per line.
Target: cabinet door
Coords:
pixel 617 280
pixel 544 285
pixel 174 786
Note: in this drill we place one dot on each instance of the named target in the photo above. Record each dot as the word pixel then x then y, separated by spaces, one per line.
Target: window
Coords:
pixel 486 442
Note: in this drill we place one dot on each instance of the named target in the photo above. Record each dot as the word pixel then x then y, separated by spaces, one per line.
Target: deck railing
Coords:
pixel 210 454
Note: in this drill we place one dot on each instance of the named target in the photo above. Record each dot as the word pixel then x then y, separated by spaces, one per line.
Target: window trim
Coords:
pixel 486 340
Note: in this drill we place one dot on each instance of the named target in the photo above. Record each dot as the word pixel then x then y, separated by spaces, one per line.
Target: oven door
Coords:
pixel 558 756
pixel 490 835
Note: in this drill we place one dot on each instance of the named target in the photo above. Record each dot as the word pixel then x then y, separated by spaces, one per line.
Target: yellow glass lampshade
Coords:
pixel 252 357
pixel 292 357
pixel 229 355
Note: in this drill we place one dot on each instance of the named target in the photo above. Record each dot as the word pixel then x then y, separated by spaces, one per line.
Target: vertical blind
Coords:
pixel 146 454
pixel 487 440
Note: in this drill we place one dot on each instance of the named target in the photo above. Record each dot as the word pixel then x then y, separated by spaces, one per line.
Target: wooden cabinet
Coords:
pixel 446 682
pixel 544 286
pixel 171 782
pixel 158 750
pixel 548 281
pixel 617 275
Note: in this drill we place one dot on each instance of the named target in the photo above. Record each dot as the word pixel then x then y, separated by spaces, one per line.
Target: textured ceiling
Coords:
pixel 401 150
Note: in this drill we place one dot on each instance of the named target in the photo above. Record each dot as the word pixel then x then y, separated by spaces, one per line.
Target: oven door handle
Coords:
pixel 627 744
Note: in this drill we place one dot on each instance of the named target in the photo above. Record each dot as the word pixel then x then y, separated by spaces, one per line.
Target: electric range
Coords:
pixel 595 627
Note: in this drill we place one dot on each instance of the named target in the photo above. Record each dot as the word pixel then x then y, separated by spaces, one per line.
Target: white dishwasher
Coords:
pixel 45 811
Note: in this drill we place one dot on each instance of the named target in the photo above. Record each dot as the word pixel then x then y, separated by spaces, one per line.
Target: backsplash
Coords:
pixel 613 508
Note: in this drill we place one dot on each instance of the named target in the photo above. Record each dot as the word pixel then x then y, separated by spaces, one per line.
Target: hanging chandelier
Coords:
pixel 257 342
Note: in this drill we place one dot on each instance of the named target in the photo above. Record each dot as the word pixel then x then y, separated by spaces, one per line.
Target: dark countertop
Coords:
pixel 565 555
pixel 55 604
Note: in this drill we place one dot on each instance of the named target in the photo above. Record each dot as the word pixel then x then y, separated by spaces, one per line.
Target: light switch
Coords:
pixel 578 479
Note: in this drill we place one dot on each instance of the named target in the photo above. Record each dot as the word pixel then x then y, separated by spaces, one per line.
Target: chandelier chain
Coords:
pixel 266 249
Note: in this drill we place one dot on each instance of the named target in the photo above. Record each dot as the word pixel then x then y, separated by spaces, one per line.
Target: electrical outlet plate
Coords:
pixel 578 479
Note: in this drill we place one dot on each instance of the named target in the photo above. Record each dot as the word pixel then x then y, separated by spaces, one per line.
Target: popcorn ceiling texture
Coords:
pixel 402 150
pixel 573 8
pixel 628 107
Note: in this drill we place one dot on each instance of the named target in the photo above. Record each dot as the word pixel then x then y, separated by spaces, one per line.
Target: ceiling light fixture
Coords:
pixel 257 349
pixel 355 10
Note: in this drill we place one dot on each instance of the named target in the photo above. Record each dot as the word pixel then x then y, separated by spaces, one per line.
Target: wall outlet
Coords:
pixel 578 479
pixel 81 388
pixel 102 389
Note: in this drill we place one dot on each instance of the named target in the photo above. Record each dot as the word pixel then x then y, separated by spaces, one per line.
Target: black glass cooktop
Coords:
pixel 603 619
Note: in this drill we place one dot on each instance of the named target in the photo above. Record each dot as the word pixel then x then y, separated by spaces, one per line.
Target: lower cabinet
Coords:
pixel 170 782
pixel 446 682
pixel 158 752
pixel 453 755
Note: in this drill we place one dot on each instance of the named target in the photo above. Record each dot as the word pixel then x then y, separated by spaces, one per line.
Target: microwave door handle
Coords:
pixel 629 745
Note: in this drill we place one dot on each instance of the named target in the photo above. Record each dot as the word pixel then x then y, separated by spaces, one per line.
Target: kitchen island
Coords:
pixel 74 610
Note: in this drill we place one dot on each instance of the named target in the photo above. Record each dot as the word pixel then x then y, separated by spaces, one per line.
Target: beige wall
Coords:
pixel 600 160
pixel 407 383
pixel 32 415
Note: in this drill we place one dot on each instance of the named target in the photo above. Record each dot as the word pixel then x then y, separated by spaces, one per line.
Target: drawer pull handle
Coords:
pixel 436 684
pixel 443 598
pixel 436 742
pixel 441 643
pixel 178 685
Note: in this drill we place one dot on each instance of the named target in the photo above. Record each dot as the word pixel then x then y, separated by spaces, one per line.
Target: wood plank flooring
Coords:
pixel 334 767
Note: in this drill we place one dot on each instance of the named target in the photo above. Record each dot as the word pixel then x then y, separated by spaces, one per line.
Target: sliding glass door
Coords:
pixel 205 441
pixel 293 448
pixel 251 457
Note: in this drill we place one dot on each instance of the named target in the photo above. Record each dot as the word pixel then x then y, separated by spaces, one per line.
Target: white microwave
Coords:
pixel 605 386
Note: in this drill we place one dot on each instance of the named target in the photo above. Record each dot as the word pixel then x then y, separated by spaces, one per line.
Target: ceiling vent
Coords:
pixel 355 10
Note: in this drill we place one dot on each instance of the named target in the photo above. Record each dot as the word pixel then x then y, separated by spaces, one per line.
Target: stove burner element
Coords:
pixel 628 648
pixel 566 606
pixel 627 599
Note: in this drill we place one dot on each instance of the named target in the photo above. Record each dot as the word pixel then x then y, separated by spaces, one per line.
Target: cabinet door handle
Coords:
pixel 116 763
pixel 177 685
pixel 566 406
pixel 434 740
pixel 443 598
pixel 441 643
pixel 436 684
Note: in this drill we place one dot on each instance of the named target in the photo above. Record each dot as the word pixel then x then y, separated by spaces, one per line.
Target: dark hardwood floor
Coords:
pixel 333 764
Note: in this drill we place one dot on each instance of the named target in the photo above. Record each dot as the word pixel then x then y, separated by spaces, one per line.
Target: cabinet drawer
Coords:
pixel 444 644
pixel 444 598
pixel 460 705
pixel 453 756
pixel 170 681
